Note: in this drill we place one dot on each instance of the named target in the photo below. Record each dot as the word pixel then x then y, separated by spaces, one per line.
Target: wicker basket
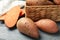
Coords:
pixel 43 12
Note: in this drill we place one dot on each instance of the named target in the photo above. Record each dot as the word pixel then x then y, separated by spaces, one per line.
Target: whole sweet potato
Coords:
pixel 47 25
pixel 28 27
pixel 57 2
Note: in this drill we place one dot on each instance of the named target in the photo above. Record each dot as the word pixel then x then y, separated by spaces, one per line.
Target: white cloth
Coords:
pixel 6 5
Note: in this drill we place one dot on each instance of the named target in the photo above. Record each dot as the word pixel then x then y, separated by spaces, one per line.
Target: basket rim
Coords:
pixel 43 6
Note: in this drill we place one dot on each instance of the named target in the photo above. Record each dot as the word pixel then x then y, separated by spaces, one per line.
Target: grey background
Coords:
pixel 13 34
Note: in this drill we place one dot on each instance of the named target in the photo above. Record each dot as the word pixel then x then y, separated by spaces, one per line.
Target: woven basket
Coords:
pixel 43 12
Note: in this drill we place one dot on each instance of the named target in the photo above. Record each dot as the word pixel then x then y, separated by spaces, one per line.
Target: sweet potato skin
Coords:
pixel 28 27
pixel 57 2
pixel 47 25
pixel 35 2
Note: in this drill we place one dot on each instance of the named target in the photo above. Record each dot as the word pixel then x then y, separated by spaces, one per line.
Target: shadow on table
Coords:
pixel 31 37
pixel 13 28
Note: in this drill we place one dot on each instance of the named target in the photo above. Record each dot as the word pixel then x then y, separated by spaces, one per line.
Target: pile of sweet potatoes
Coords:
pixel 42 2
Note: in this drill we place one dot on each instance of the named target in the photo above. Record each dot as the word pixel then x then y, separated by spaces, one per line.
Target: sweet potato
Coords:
pixel 48 3
pixel 47 25
pixel 2 17
pixel 35 2
pixel 28 27
pixel 12 16
pixel 22 12
pixel 57 2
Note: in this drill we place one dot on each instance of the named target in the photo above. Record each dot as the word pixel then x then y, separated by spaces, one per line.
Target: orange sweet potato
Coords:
pixel 2 17
pixel 22 12
pixel 12 16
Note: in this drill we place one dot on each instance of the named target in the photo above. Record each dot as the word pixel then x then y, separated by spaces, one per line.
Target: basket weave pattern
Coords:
pixel 42 12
